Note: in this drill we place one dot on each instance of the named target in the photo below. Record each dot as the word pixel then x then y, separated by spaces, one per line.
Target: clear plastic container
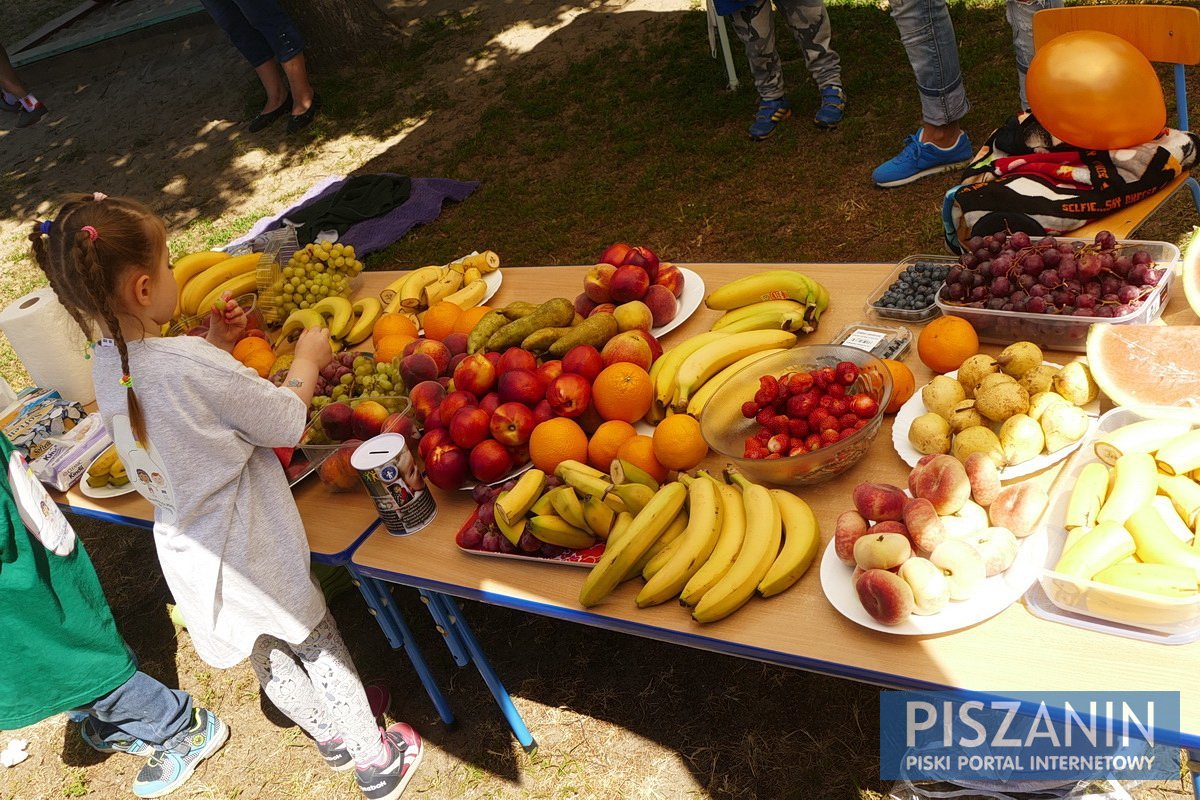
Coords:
pixel 881 341
pixel 319 447
pixel 906 314
pixel 1078 597
pixel 1070 333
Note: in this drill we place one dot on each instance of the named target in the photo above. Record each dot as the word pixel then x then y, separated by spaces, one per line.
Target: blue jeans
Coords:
pixel 927 33
pixel 259 29
pixel 145 709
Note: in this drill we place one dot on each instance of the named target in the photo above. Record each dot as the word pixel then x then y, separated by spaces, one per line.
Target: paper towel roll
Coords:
pixel 49 344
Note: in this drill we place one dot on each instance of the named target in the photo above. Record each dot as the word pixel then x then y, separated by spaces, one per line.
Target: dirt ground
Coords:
pixel 159 116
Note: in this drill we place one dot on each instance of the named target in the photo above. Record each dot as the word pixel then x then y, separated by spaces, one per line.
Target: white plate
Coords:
pixel 689 300
pixel 104 491
pixel 997 593
pixel 915 407
pixel 492 280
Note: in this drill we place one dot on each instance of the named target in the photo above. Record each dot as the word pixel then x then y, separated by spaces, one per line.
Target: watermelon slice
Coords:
pixel 1152 369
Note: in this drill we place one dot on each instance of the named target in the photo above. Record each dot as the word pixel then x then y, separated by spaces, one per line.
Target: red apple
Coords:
pixel 645 258
pixel 489 402
pixel 569 395
pixel 615 254
pixel 337 421
pixel 584 305
pixel 469 426
pixel 516 358
pixel 434 420
pixel 368 419
pixel 489 461
pixel 542 412
pixel 447 466
pixel 475 374
pixel 519 454
pixel 512 424
pixel 670 277
pixel 521 386
pixel 630 346
pixel 550 370
pixel 453 402
pixel 596 283
pixel 494 358
pixel 583 359
pixel 628 283
pixel 434 438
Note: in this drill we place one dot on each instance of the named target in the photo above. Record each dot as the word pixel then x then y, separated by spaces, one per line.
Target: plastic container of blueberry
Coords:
pixel 901 297
pixel 1069 333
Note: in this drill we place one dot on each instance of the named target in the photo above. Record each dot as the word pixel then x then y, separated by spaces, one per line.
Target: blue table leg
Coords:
pixel 382 608
pixel 448 631
pixel 1193 764
pixel 467 636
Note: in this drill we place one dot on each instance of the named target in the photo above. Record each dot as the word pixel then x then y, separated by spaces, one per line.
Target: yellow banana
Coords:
pixel 1181 455
pixel 1146 436
pixel 635 496
pixel 1170 517
pixel 729 544
pixel 566 504
pixel 696 545
pixel 619 528
pixel 557 531
pixel 1104 545
pixel 1164 579
pixel 299 320
pixel 1156 544
pixel 541 506
pixel 447 284
pixel 801 539
pixel 584 482
pixel 512 531
pixel 485 262
pixel 237 285
pixel 1135 482
pixel 771 320
pixel 471 274
pixel 469 296
pixel 412 290
pixel 571 465
pixel 338 313
pixel 759 549
pixel 1087 496
pixel 199 287
pixel 646 527
pixel 669 362
pixel 598 516
pixel 660 552
pixel 754 309
pixel 515 504
pixel 1185 496
pixel 1073 536
pixel 623 471
pixel 700 399
pixel 193 264
pixel 366 312
pixel 713 357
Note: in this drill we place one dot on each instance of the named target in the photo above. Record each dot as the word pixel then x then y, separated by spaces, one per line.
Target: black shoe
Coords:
pixel 298 122
pixel 25 117
pixel 267 117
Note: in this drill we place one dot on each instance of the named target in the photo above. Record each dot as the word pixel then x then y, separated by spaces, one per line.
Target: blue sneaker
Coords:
pixel 134 747
pixel 833 106
pixel 920 160
pixel 167 770
pixel 770 113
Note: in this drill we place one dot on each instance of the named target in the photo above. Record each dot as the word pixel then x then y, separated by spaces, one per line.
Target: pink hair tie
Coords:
pixel 98 196
pixel 92 233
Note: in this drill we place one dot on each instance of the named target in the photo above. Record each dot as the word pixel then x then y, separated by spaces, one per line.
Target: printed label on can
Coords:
pixel 398 487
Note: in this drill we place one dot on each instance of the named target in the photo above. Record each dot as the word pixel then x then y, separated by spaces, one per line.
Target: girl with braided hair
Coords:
pixel 228 535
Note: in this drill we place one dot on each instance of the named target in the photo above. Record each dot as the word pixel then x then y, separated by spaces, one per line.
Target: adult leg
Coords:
pixel 253 47
pixel 809 22
pixel 1020 18
pixel 755 26
pixel 287 46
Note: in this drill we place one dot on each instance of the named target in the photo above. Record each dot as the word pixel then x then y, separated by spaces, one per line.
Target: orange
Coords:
pixel 389 324
pixel 903 384
pixel 607 439
pixel 251 344
pixel 392 346
pixel 639 451
pixel 946 343
pixel 260 361
pixel 677 442
pixel 469 319
pixel 555 441
pixel 439 320
pixel 622 391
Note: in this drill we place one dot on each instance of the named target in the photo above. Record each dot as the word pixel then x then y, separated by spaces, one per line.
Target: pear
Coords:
pixel 973 370
pixel 1019 357
pixel 1063 424
pixel 930 433
pixel 964 416
pixel 1021 438
pixel 1038 379
pixel 1074 382
pixel 1039 402
pixel 979 439
pixel 991 380
pixel 941 394
pixel 1001 400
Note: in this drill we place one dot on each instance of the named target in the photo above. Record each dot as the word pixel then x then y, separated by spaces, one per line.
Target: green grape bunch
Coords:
pixel 313 273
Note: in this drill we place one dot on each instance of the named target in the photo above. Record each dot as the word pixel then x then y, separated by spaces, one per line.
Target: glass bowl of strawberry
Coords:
pixel 801 416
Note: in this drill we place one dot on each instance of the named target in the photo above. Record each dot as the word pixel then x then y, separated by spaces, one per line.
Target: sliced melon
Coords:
pixel 1191 273
pixel 1152 369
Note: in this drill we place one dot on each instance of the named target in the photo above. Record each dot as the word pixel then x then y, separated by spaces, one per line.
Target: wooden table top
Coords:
pixel 1013 651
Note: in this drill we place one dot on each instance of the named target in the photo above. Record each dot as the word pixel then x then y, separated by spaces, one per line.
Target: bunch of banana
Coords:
pixel 781 299
pixel 203 277
pixel 563 515
pixel 459 282
pixel 107 470
pixel 687 376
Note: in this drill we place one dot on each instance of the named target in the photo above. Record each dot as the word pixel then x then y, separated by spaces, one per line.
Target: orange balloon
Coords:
pixel 1096 91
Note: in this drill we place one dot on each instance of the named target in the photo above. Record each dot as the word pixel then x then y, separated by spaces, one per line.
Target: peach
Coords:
pixel 597 283
pixel 943 481
pixel 583 359
pixel 519 455
pixel 335 420
pixel 434 420
pixel 663 305
pixel 490 402
pixel 489 460
pixel 849 529
pixel 645 258
pixel 542 412
pixel 967 521
pixel 447 466
pixel 931 590
pixel 433 439
pixel 924 525
pixel 368 419
pixel 418 367
pixel 521 386
pixel 628 283
pixel 670 277
pixel 584 305
pixel 1018 508
pixel 634 315
pixel 569 395
pixel 436 350
pixel 469 426
pixel 590 420
pixel 512 424
pixel 456 343
pixel 455 360
pixel 885 595
pixel 452 402
pixel 516 358
pixel 336 472
pixel 548 371
pixel 880 501
pixel 998 547
pixel 962 565
pixel 493 358
pixel 655 347
pixel 889 526
pixel 628 346
pixel 403 425
pixel 603 308
pixel 984 476
pixel 882 551
pixel 475 374
pixel 615 254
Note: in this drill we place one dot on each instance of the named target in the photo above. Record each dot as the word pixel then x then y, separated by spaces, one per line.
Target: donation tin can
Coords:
pixel 395 483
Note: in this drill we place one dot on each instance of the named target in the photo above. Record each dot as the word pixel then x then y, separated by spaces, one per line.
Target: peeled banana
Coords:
pixel 1146 436
pixel 1181 455
pixel 1135 482
pixel 1155 544
pixel 1167 580
pixel 1104 545
pixel 1087 496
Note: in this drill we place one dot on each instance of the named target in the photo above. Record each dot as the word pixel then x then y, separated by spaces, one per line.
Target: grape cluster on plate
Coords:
pixel 1005 272
pixel 483 534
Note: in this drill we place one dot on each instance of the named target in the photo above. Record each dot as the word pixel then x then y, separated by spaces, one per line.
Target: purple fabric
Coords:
pixel 423 205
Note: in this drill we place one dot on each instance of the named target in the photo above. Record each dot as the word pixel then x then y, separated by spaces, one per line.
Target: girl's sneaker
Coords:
pixel 135 747
pixel 334 750
pixel 770 113
pixel 167 770
pixel 403 750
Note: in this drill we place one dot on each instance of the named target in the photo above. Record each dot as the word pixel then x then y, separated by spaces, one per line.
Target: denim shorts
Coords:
pixel 259 29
